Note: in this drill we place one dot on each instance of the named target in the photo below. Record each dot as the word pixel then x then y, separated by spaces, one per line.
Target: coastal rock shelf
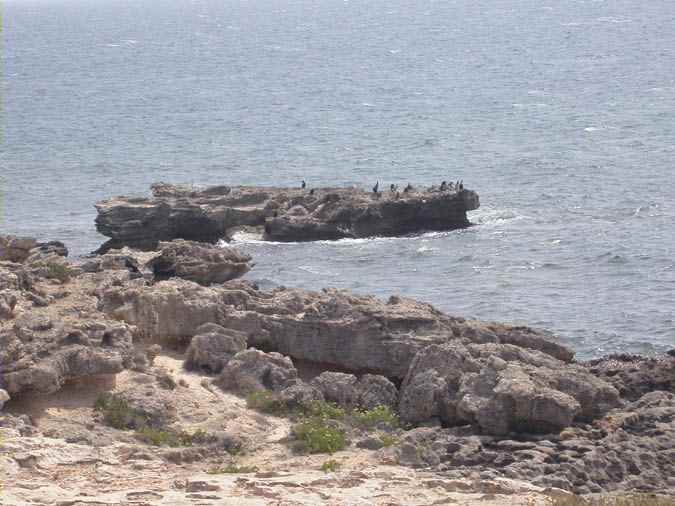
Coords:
pixel 277 214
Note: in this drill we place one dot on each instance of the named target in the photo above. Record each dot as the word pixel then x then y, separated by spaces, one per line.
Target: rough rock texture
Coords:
pixel 213 347
pixel 333 327
pixel 253 370
pixel 631 448
pixel 4 397
pixel 40 355
pixel 8 302
pixel 346 390
pixel 285 214
pixel 501 388
pixel 633 375
pixel 16 249
pixel 202 263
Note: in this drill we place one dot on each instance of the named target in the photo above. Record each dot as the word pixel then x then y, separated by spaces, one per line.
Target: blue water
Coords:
pixel 561 114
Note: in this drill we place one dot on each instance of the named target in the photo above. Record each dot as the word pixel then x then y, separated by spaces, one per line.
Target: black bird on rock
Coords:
pixel 444 186
pixel 304 184
pixel 408 188
pixel 376 187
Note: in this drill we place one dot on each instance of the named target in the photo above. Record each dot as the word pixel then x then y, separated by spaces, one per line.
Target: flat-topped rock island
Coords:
pixel 278 214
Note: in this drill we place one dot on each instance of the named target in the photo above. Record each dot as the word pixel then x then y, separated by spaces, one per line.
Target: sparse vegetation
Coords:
pixel 331 466
pixel 266 402
pixel 388 440
pixel 320 435
pixel 630 500
pixel 166 381
pixel 61 272
pixel 381 416
pixel 167 437
pixel 118 414
pixel 325 410
pixel 233 469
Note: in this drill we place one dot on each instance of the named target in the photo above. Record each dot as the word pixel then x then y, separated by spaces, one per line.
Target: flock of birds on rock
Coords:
pixel 393 188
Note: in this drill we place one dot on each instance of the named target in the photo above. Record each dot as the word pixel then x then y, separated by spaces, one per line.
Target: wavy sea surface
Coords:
pixel 561 114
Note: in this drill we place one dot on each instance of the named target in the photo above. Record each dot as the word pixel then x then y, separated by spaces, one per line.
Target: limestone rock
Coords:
pixel 300 395
pixel 213 347
pixel 337 387
pixel 286 214
pixel 4 397
pixel 199 262
pixel 16 249
pixel 333 327
pixel 375 390
pixel 8 302
pixel 38 355
pixel 253 370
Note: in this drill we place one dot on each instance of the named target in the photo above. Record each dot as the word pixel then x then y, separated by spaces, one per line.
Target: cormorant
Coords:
pixel 311 192
pixel 408 188
pixel 461 185
pixel 375 188
pixel 392 187
pixel 444 186
pixel 304 184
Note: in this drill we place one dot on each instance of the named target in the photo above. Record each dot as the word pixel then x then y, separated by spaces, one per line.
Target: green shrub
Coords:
pixel 233 469
pixel 325 410
pixel 58 271
pixel 381 416
pixel 320 435
pixel 388 440
pixel 168 437
pixel 266 402
pixel 118 414
pixel 331 466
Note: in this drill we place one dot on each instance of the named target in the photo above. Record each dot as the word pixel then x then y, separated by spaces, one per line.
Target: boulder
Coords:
pixel 300 396
pixel 16 249
pixel 40 356
pixel 213 347
pixel 337 387
pixel 375 390
pixel 253 370
pixel 286 214
pixel 202 263
pixel 501 388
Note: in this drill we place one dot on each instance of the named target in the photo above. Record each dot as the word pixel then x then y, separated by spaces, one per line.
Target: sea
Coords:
pixel 559 113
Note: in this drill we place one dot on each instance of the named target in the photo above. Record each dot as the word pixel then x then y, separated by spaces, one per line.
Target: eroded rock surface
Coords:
pixel 285 214
pixel 205 264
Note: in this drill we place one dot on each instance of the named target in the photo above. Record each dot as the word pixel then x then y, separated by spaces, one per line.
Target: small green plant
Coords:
pixel 118 414
pixel 58 271
pixel 167 437
pixel 166 382
pixel 325 410
pixel 266 402
pixel 232 469
pixel 381 416
pixel 388 440
pixel 331 466
pixel 319 435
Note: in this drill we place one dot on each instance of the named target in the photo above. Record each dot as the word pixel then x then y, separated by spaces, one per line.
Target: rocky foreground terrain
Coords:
pixel 162 377
pixel 278 214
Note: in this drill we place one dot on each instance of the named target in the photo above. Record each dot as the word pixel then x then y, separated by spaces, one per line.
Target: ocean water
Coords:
pixel 560 113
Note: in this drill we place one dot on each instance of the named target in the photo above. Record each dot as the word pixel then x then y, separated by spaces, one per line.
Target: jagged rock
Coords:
pixel 633 375
pixel 253 370
pixel 4 397
pixel 333 327
pixel 374 390
pixel 16 249
pixel 52 248
pixel 202 263
pixel 416 449
pixel 286 214
pixel 37 355
pixel 300 396
pixel 337 387
pixel 630 449
pixel 156 406
pixel 505 398
pixel 501 388
pixel 213 347
pixel 8 302
pixel 113 261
